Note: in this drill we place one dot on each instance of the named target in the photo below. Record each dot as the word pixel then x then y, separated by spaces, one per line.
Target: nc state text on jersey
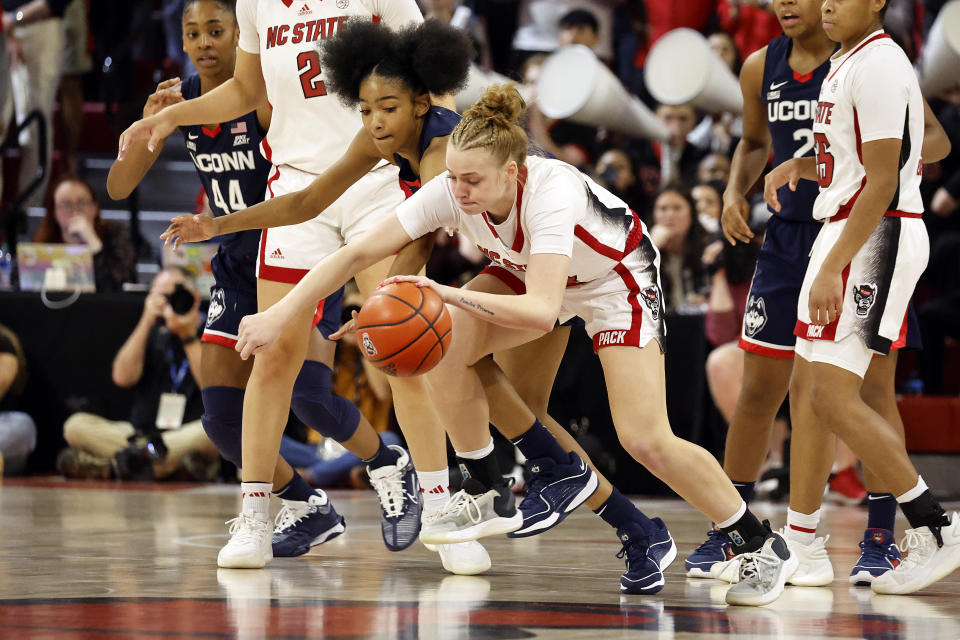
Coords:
pixel 309 31
pixel 824 112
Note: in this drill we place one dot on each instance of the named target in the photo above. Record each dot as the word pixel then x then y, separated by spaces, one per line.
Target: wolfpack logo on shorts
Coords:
pixel 216 306
pixel 864 295
pixel 651 298
pixel 756 316
pixel 368 347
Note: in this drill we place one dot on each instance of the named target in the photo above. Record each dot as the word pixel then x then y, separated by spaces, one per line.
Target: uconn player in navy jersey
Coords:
pixel 234 176
pixel 415 140
pixel 781 85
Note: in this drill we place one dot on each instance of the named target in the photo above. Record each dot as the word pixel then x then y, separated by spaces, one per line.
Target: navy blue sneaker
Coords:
pixel 717 548
pixel 554 490
pixel 301 525
pixel 878 554
pixel 400 501
pixel 647 554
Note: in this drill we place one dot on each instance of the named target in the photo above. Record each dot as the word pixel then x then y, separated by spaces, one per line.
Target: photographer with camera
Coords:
pixel 161 361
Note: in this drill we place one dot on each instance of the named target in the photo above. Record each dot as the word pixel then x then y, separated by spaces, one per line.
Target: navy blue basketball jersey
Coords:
pixel 438 122
pixel 231 168
pixel 791 101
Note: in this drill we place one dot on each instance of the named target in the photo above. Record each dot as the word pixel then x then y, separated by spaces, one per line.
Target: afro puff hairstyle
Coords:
pixel 430 57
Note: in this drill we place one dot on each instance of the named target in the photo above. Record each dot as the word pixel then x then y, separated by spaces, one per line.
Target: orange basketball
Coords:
pixel 403 329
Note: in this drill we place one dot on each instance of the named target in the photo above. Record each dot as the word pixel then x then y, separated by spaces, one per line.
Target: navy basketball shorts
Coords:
pixel 234 295
pixel 771 312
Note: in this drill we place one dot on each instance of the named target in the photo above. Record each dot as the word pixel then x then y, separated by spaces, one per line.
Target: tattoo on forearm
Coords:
pixel 474 305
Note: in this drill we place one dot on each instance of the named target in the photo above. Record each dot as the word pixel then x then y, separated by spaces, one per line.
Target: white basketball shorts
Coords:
pixel 622 309
pixel 288 253
pixel 877 287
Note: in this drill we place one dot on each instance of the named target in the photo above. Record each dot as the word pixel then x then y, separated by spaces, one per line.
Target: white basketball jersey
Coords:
pixel 870 93
pixel 558 210
pixel 310 128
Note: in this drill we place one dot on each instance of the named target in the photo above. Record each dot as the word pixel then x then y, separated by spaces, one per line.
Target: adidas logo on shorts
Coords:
pixel 277 254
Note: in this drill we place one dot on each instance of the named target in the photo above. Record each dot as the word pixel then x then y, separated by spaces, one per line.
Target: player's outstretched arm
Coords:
pixel 259 331
pixel 936 143
pixel 751 154
pixel 538 308
pixel 126 174
pixel 292 208
pixel 235 97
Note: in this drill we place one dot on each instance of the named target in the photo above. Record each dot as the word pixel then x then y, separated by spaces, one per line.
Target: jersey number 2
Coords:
pixel 824 160
pixel 308 64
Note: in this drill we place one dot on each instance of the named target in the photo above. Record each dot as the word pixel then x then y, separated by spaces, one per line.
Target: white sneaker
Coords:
pixel 249 546
pixel 728 570
pixel 464 559
pixel 467 517
pixel 815 569
pixel 451 559
pixel 763 573
pixel 923 561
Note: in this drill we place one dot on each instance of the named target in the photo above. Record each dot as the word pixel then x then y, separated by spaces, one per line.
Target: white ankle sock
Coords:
pixel 435 488
pixel 256 497
pixel 802 527
pixel 478 454
pixel 729 522
pixel 914 493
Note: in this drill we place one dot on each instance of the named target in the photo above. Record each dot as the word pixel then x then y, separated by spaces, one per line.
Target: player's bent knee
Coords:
pixel 827 405
pixel 648 451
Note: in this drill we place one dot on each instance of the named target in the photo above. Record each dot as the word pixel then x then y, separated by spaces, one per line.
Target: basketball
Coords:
pixel 403 329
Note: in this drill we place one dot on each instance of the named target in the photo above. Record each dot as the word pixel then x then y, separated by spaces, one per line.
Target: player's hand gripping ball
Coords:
pixel 403 329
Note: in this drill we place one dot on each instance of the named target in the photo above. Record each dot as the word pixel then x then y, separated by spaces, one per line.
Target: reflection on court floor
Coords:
pixel 89 561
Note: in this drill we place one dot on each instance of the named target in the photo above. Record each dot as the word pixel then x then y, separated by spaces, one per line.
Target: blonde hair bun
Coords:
pixel 499 102
pixel 493 123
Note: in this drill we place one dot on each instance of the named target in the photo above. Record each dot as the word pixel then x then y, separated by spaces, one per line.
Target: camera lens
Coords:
pixel 181 300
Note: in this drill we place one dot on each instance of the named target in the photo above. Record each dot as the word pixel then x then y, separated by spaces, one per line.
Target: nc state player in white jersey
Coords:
pixel 563 247
pixel 865 263
pixel 309 130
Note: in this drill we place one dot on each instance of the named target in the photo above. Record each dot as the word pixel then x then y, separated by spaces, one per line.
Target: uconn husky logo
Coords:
pixel 368 347
pixel 864 295
pixel 756 316
pixel 217 306
pixel 651 298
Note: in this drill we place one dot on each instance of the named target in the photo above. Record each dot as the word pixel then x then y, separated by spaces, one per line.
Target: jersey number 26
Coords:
pixel 824 159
